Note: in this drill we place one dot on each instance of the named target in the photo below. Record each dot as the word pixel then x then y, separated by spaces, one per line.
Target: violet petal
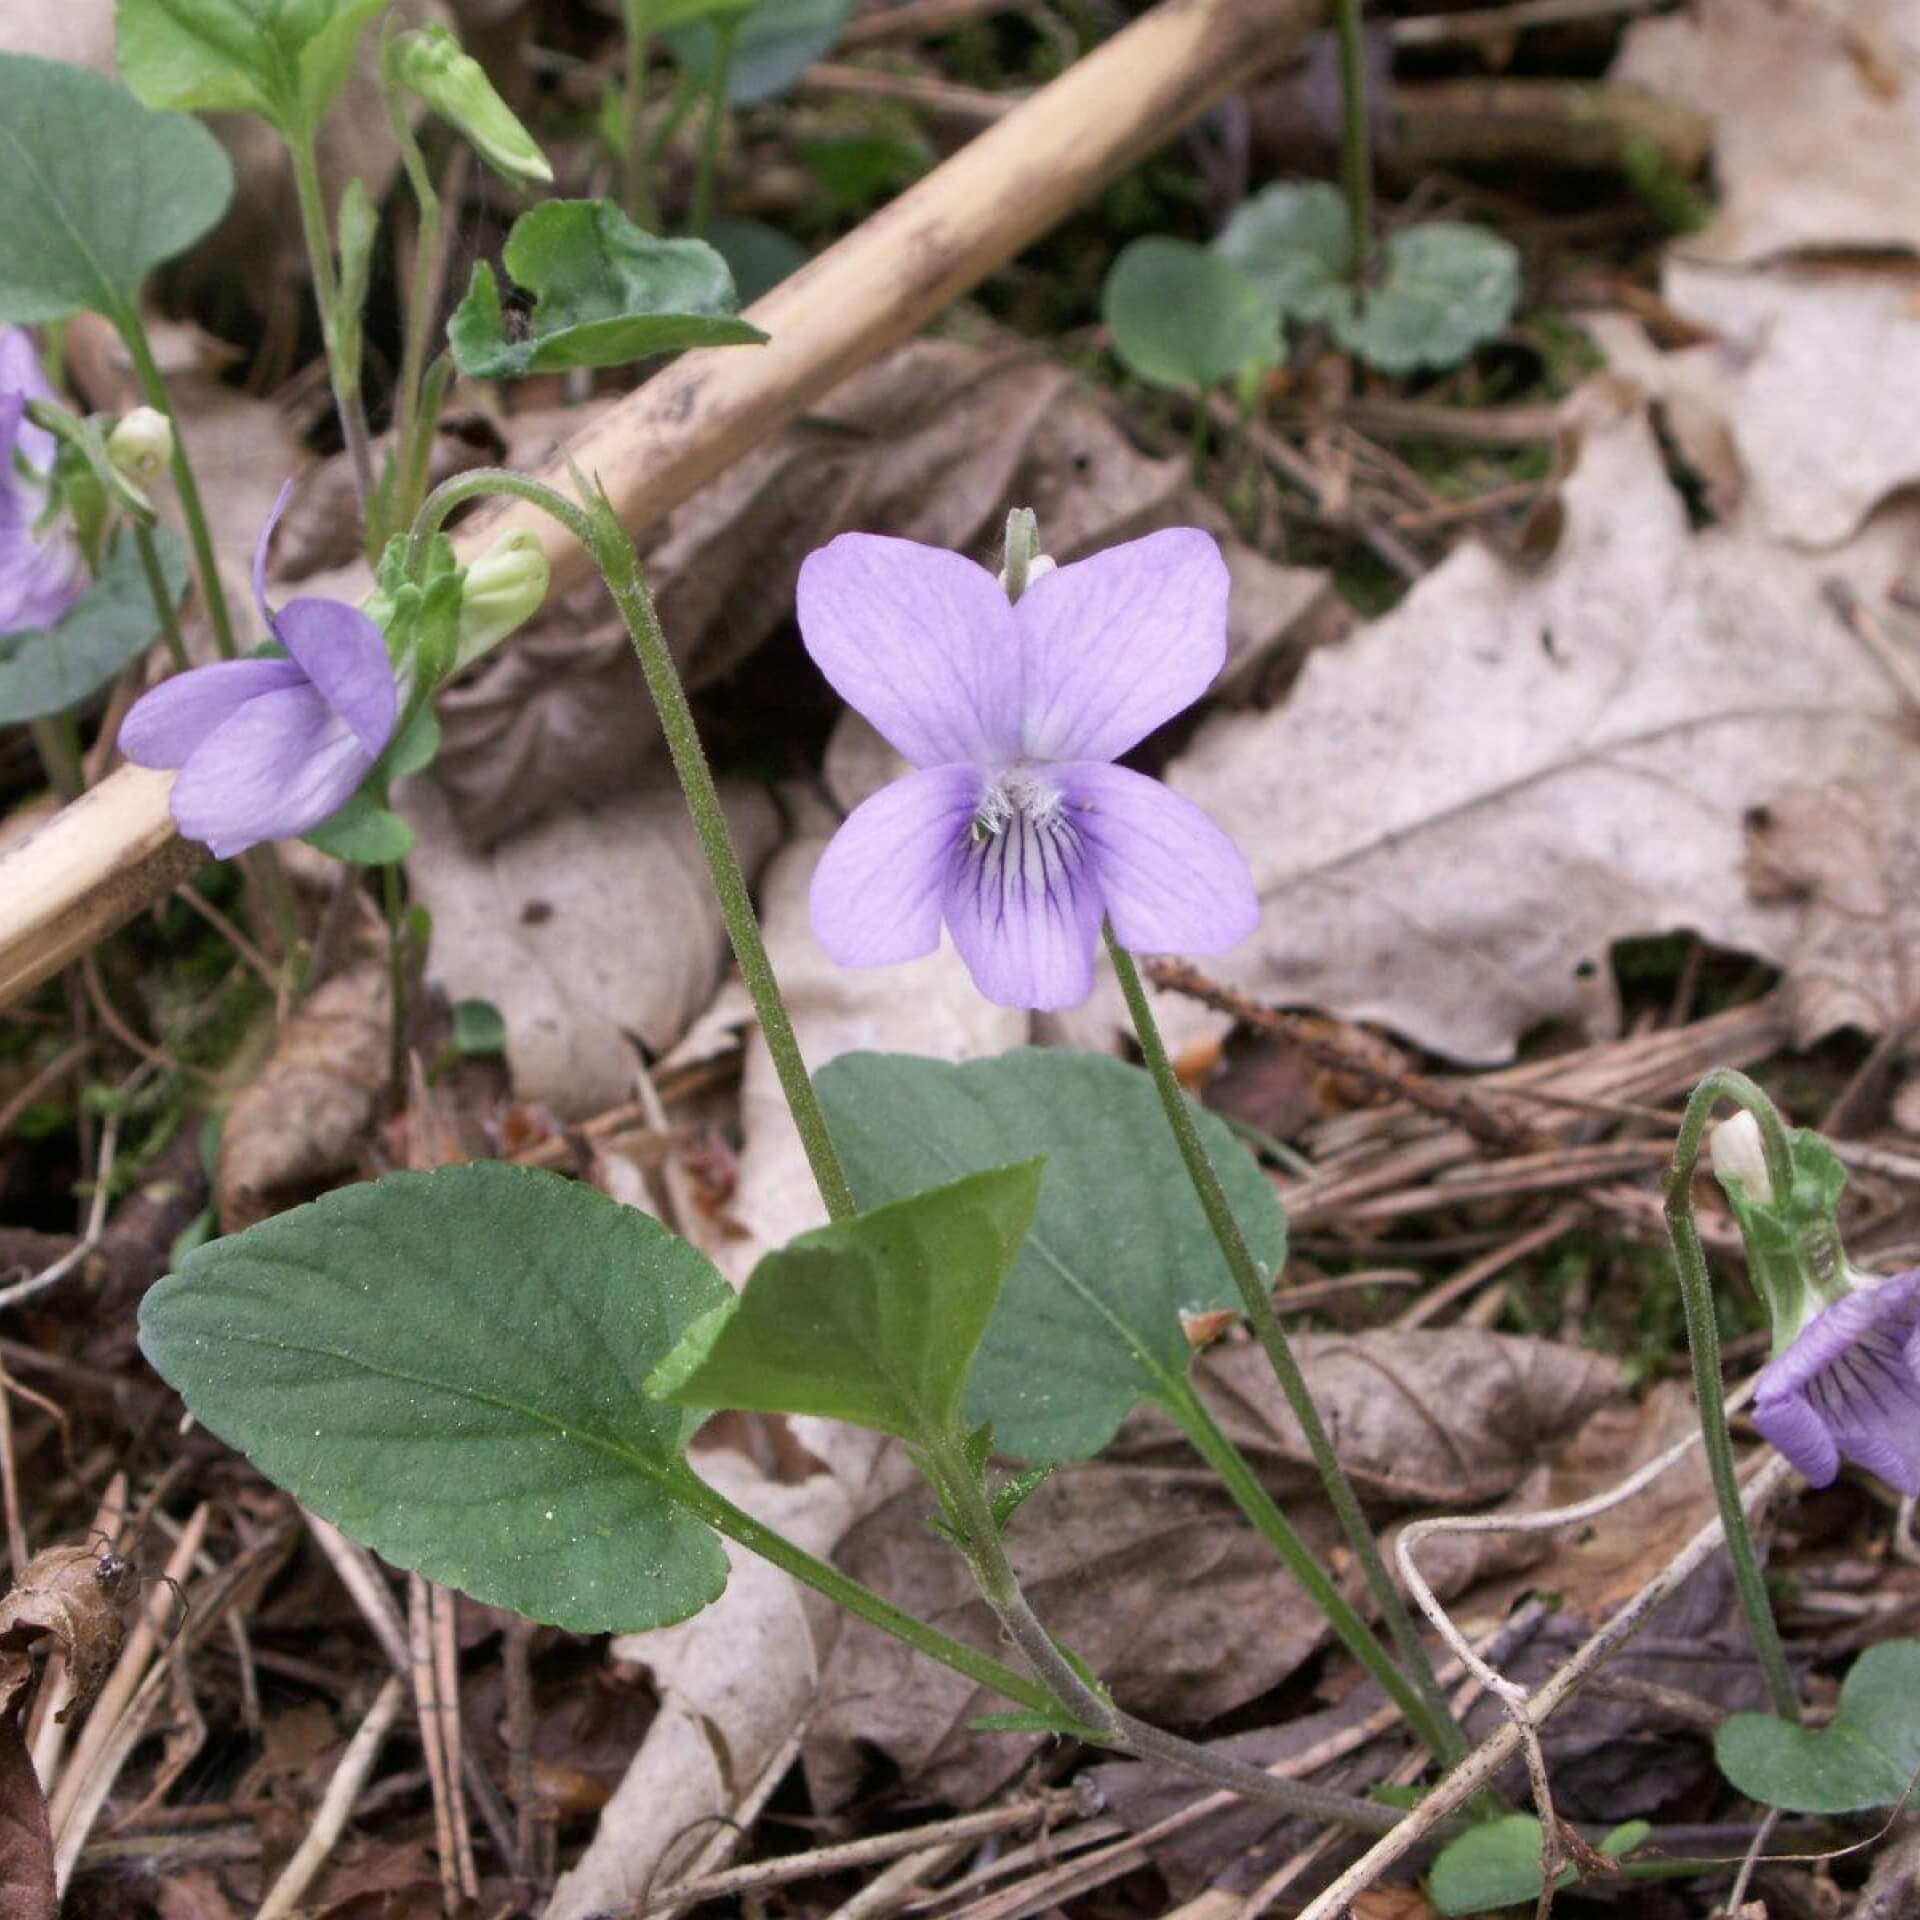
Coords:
pixel 920 641
pixel 878 889
pixel 1025 907
pixel 1793 1426
pixel 1172 882
pixel 166 726
pixel 1113 646
pixel 345 655
pixel 260 547
pixel 282 764
pixel 20 373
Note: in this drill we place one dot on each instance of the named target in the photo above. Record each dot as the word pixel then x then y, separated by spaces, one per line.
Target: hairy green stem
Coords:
pixel 162 598
pixel 1448 1743
pixel 701 212
pixel 1703 1340
pixel 607 541
pixel 326 293
pixel 127 324
pixel 1359 1639
pixel 413 422
pixel 1356 147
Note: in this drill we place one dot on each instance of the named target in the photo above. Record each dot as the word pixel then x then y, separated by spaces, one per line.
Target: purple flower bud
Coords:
pixel 267 749
pixel 1017 831
pixel 42 572
pixel 1849 1386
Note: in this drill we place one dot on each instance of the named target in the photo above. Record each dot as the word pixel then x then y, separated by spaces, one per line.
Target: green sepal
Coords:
pixel 1792 1242
pixel 1013 1492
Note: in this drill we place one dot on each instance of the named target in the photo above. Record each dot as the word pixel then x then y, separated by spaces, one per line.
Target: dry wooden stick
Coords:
pixel 98 862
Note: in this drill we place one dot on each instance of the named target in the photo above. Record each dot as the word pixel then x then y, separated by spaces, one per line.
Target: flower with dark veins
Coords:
pixel 1016 830
pixel 1848 1387
pixel 269 748
pixel 42 571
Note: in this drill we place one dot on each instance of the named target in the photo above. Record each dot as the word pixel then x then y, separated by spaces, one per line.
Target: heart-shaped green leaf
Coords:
pixel 604 293
pixel 1443 287
pixel 1089 1322
pixel 772 47
pixel 449 1366
pixel 1866 1756
pixel 1497 1864
pixel 1184 317
pixel 284 59
pixel 873 1320
pixel 52 669
pixel 99 190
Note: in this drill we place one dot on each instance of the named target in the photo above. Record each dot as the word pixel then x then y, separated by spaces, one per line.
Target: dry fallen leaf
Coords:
pixel 76 1595
pixel 1141 1563
pixel 1459 809
pixel 1846 858
pixel 933 442
pixel 596 926
pixel 1816 141
pixel 28 1890
pixel 1792 391
pixel 304 1119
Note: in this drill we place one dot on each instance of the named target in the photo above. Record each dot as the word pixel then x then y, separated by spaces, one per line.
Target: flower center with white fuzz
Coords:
pixel 1018 794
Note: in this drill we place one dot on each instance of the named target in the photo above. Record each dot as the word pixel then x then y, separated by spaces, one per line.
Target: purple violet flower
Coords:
pixel 42 572
pixel 1849 1386
pixel 267 748
pixel 1017 830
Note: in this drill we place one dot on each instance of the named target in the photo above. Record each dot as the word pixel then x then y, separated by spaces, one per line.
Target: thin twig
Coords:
pixel 96 1225
pixel 426 1701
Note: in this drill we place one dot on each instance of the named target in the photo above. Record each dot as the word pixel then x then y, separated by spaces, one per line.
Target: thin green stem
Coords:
pixel 1449 1744
pixel 972 1519
pixel 635 163
pixel 326 293
pixel 602 535
pixel 1213 1446
pixel 701 211
pixel 58 760
pixel 1703 1340
pixel 161 595
pixel 395 910
pixel 1356 147
pixel 126 321
pixel 268 878
pixel 413 422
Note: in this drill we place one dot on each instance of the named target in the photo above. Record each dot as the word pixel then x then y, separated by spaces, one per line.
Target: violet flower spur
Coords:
pixel 268 748
pixel 1016 829
pixel 1849 1386
pixel 42 571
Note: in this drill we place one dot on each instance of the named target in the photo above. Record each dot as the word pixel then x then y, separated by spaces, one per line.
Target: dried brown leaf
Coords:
pixel 591 929
pixel 76 1596
pixel 1458 810
pixel 306 1117
pixel 1815 140
pixel 27 1889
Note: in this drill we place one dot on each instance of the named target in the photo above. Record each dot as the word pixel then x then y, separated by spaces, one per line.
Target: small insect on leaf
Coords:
pixel 76 1594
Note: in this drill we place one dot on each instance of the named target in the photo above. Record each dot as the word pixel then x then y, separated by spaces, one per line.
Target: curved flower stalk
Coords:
pixel 42 570
pixel 268 748
pixel 1016 829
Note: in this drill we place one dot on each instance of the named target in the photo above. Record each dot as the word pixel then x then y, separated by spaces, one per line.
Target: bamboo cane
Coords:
pixel 99 861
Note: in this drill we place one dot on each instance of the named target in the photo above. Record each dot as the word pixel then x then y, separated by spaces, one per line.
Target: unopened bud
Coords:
pixel 1739 1154
pixel 142 443
pixel 432 63
pixel 502 590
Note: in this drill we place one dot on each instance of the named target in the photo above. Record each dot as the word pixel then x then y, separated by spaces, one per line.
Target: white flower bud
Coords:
pixel 142 443
pixel 502 590
pixel 1738 1154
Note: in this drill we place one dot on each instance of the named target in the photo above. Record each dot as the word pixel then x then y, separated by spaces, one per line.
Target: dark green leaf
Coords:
pixel 873 1320
pixel 98 190
pixel 478 1027
pixel 51 669
pixel 1293 241
pixel 775 44
pixel 1183 317
pixel 448 1365
pixel 285 59
pixel 1866 1756
pixel 758 256
pixel 1089 1323
pixel 604 294
pixel 1497 1864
